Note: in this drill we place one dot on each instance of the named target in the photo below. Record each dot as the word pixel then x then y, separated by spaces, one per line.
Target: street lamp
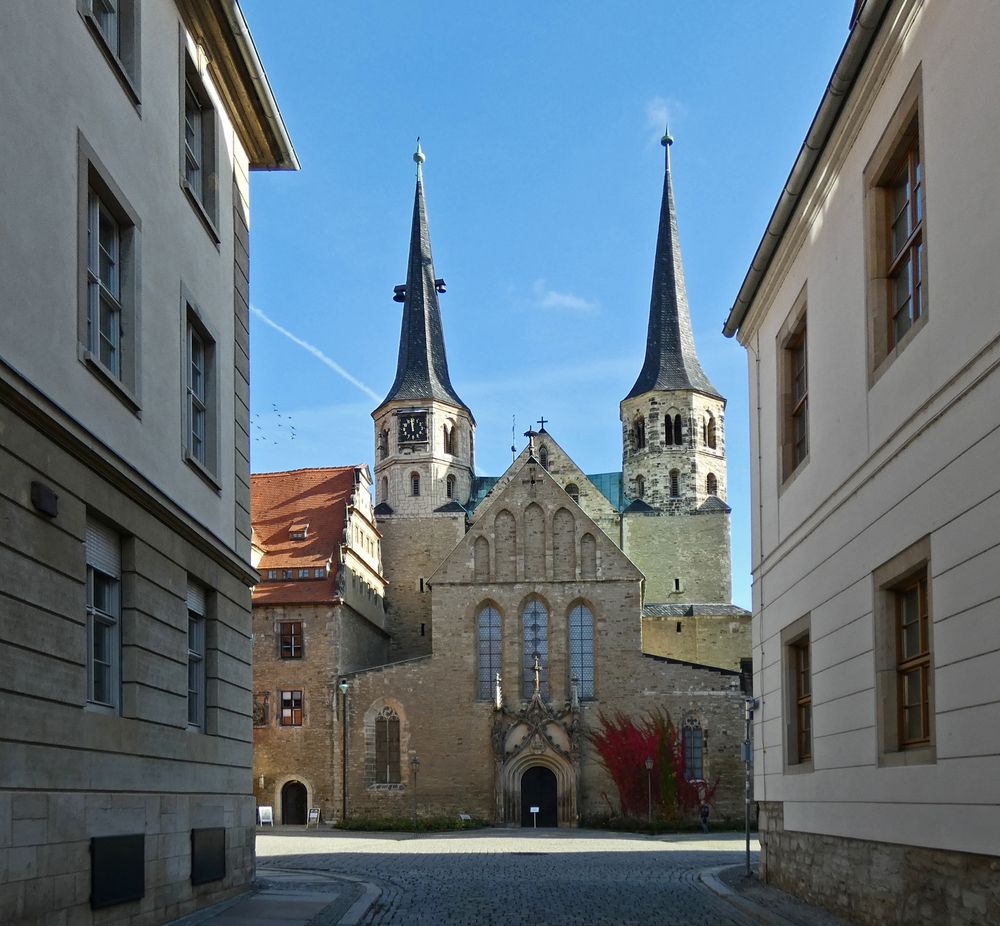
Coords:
pixel 649 787
pixel 414 765
pixel 344 688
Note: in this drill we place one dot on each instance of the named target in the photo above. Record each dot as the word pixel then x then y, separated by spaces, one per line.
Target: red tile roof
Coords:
pixel 281 501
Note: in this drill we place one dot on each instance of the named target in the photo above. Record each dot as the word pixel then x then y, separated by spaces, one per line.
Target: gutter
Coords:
pixel 862 36
pixel 248 51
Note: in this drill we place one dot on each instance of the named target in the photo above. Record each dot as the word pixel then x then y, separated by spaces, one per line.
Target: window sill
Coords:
pixel 787 481
pixel 109 710
pixel 799 768
pixel 117 387
pixel 920 755
pixel 120 71
pixel 202 212
pixel 203 471
pixel 879 368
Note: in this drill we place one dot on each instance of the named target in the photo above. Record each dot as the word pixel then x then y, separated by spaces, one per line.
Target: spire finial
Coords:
pixel 667 141
pixel 419 157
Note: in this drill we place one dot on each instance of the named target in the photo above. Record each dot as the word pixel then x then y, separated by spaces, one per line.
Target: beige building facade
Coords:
pixel 873 339
pixel 516 608
pixel 125 757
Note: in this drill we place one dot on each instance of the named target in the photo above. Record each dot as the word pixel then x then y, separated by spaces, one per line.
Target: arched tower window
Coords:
pixel 387 747
pixel 711 441
pixel 694 763
pixel 414 484
pixel 704 430
pixel 449 487
pixel 711 484
pixel 640 487
pixel 449 439
pixel 489 650
pixel 573 491
pixel 678 430
pixel 383 444
pixel 581 649
pixel 535 636
pixel 638 432
pixel 675 483
pixel 543 456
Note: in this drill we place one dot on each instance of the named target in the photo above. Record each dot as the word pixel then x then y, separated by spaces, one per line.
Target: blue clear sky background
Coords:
pixel 541 123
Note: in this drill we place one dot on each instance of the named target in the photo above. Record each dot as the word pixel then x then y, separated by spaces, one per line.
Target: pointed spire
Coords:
pixel 422 367
pixel 671 359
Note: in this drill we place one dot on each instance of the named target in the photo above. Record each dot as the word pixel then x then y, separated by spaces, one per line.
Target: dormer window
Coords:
pixel 298 531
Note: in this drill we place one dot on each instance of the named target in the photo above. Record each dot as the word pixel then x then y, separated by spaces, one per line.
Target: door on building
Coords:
pixel 293 804
pixel 538 789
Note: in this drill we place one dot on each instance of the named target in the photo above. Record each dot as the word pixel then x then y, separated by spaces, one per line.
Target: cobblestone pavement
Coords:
pixel 516 876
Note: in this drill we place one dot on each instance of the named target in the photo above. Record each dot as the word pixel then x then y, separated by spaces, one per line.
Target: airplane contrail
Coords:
pixel 317 353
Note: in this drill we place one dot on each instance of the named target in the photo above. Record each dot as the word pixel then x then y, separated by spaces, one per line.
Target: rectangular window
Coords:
pixel 103 554
pixel 904 657
pixel 108 255
pixel 291 708
pixel 897 234
pixel 114 25
pixel 796 660
pixel 794 379
pixel 200 406
pixel 290 639
pixel 198 153
pixel 196 655
pixel 803 698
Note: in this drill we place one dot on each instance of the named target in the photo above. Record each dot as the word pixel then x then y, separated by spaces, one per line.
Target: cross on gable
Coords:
pixel 541 423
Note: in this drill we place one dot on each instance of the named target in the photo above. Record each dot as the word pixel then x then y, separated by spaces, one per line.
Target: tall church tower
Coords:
pixel 674 465
pixel 424 449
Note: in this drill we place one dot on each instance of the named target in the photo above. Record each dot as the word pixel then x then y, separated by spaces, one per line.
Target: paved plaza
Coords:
pixel 499 876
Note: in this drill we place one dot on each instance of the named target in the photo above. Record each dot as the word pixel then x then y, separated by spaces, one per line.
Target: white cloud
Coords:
pixel 659 112
pixel 318 354
pixel 546 298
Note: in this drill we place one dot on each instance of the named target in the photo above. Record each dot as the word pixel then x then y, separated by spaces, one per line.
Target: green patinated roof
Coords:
pixel 610 485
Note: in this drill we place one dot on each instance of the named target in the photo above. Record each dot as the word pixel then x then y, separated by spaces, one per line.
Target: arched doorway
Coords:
pixel 293 804
pixel 538 789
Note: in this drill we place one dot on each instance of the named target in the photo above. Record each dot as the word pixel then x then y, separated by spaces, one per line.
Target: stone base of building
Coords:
pixel 46 851
pixel 878 883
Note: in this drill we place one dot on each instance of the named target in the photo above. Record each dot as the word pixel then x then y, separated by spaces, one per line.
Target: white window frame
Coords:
pixel 103 560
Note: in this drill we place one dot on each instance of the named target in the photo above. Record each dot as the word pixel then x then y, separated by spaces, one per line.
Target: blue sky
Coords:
pixel 541 124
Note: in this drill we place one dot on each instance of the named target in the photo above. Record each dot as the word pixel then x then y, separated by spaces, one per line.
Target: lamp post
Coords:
pixel 649 787
pixel 414 765
pixel 344 688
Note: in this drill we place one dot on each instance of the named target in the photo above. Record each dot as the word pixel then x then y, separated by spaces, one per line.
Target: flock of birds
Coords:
pixel 263 434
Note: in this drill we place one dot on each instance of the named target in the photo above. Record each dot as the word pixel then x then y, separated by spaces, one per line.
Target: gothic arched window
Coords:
pixel 711 441
pixel 711 484
pixel 535 636
pixel 581 649
pixel 678 430
pixel 675 483
pixel 638 433
pixel 387 747
pixel 383 443
pixel 694 762
pixel 543 456
pixel 449 439
pixel 414 484
pixel 449 487
pixel 489 650
pixel 573 491
pixel 640 487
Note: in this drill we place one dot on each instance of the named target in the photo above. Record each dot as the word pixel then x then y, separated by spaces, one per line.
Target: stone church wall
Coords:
pixel 706 639
pixel 693 548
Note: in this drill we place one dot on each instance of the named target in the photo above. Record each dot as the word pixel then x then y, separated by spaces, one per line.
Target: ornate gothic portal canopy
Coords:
pixel 536 755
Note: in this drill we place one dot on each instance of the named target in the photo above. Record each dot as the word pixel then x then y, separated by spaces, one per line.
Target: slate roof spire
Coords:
pixel 671 359
pixel 422 367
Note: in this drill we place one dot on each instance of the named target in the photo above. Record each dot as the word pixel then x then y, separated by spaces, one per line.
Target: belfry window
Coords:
pixel 711 484
pixel 638 433
pixel 640 487
pixel 414 484
pixel 678 430
pixel 449 487
pixel 711 440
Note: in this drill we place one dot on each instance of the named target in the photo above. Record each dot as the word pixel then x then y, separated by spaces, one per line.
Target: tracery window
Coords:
pixel 694 762
pixel 535 634
pixel 581 649
pixel 489 650
pixel 387 747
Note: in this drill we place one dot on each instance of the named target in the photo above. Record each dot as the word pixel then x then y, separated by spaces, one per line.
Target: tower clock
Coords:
pixel 412 427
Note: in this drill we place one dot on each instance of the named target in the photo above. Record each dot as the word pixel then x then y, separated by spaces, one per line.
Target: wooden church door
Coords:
pixel 538 789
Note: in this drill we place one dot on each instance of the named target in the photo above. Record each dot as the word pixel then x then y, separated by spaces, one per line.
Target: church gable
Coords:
pixel 530 531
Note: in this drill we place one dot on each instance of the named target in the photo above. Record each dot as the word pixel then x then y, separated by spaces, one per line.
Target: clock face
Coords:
pixel 412 428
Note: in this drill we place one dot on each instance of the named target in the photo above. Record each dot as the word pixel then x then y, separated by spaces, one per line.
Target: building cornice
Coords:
pixel 236 69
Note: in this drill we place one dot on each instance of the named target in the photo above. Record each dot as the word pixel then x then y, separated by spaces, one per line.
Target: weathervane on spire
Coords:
pixel 419 157
pixel 666 141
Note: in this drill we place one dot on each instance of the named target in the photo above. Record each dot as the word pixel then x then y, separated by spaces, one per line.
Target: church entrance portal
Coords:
pixel 538 789
pixel 293 804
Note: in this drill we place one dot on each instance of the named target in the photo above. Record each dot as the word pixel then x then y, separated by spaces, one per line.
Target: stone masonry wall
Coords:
pixel 877 883
pixel 708 640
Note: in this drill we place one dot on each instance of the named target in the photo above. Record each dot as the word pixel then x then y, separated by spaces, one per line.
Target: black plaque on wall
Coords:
pixel 208 854
pixel 117 869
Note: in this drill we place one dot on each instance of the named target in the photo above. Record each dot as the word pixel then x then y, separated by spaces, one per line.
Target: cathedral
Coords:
pixel 452 645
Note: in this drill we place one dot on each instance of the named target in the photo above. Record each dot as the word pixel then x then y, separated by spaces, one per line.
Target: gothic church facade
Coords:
pixel 504 615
